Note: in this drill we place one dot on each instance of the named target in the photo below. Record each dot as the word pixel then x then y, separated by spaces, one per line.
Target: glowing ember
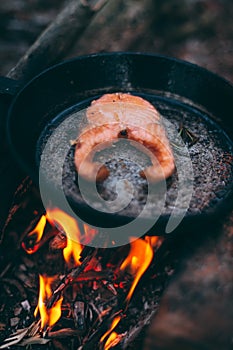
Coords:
pixel 48 316
pixel 137 261
pixel 70 227
pixel 115 322
pixel 31 244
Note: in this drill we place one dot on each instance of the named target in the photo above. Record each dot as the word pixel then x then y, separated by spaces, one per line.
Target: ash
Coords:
pixel 210 155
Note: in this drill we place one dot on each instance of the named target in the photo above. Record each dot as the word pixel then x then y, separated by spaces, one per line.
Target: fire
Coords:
pixel 48 316
pixel 137 261
pixel 115 322
pixel 90 233
pixel 33 238
pixel 71 254
pixel 153 240
pixel 112 340
pixel 70 227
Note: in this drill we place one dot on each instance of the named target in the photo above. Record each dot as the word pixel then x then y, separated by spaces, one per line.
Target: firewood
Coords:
pixel 121 25
pixel 54 43
pixel 68 279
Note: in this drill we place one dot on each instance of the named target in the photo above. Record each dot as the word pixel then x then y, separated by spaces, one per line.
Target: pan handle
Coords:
pixel 11 175
pixel 9 87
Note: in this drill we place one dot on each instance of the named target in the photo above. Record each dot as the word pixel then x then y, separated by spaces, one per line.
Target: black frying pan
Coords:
pixel 194 100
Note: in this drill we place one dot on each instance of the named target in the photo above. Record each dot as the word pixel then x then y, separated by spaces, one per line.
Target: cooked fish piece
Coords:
pixel 91 140
pixel 122 115
pixel 122 108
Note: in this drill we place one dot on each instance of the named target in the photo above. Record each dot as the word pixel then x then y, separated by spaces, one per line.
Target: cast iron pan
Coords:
pixel 195 101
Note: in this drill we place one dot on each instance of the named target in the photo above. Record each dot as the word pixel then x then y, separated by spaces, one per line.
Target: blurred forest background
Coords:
pixel 200 31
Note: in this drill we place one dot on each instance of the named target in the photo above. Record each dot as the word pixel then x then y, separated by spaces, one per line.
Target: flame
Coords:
pixel 70 227
pixel 33 238
pixel 90 233
pixel 112 340
pixel 114 323
pixel 51 316
pixel 137 261
pixel 153 240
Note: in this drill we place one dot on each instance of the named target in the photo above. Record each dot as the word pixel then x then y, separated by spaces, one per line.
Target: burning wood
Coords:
pixel 93 296
pixel 115 322
pixel 48 316
pixel 34 237
pixel 137 262
pixel 66 281
pixel 68 225
pixel 113 340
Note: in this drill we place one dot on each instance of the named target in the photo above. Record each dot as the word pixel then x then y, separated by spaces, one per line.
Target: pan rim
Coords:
pixel 171 60
pixel 120 53
pixel 218 79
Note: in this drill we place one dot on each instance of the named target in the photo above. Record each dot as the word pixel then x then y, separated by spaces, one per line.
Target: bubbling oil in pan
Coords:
pixel 212 170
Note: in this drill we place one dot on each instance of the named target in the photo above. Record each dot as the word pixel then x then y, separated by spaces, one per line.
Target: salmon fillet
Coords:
pixel 121 115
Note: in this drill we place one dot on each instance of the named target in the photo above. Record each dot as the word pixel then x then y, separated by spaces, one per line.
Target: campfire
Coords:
pixel 64 291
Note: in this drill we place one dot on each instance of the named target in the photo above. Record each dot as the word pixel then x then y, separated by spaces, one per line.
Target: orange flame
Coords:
pixel 112 340
pixel 114 323
pixel 35 235
pixel 90 233
pixel 51 316
pixel 153 240
pixel 137 261
pixel 70 227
